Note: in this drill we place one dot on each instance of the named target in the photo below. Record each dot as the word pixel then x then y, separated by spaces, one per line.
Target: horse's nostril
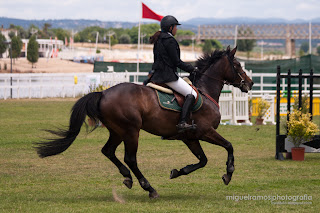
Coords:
pixel 252 83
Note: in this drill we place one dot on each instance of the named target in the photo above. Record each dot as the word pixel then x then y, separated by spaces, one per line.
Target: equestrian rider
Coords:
pixel 166 53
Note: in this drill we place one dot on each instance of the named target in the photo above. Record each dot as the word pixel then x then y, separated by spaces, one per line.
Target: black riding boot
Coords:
pixel 185 115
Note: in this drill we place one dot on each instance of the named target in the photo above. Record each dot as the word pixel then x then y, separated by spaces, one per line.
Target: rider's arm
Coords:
pixel 172 50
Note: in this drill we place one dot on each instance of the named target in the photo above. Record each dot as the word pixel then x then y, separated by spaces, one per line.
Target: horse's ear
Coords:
pixel 233 52
pixel 228 48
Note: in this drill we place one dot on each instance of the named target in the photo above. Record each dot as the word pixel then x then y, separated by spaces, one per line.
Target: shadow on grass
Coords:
pixel 127 198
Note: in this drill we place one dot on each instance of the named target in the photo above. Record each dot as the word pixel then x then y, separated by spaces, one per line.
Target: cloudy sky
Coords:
pixel 130 10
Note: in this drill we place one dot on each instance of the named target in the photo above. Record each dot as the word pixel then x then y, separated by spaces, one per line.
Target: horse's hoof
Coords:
pixel 128 182
pixel 174 173
pixel 153 195
pixel 226 179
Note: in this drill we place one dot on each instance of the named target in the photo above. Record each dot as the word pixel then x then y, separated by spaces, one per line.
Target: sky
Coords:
pixel 183 10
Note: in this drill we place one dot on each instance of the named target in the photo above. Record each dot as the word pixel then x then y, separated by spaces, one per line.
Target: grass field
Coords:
pixel 82 180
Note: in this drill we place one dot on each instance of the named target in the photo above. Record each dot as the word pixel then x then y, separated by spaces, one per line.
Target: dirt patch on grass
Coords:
pixel 52 65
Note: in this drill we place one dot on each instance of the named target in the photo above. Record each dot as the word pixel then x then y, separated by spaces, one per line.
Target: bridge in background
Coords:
pixel 288 32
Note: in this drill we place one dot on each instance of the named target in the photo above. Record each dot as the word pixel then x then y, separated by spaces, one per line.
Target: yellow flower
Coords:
pixel 263 106
pixel 300 127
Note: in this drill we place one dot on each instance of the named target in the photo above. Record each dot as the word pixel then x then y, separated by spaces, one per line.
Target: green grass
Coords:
pixel 82 180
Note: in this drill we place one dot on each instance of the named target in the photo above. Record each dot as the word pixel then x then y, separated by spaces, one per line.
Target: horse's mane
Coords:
pixel 206 60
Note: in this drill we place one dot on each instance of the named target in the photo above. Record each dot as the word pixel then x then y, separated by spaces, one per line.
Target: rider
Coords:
pixel 166 53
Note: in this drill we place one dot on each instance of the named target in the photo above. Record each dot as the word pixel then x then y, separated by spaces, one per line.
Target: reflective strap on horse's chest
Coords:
pixel 211 99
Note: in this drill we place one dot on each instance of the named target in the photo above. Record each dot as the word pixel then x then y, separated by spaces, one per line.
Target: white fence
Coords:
pixel 31 85
pixel 234 106
pixel 110 79
pixel 261 88
pixel 44 85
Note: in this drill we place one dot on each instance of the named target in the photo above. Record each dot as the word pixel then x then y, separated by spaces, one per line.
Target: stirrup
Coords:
pixel 184 126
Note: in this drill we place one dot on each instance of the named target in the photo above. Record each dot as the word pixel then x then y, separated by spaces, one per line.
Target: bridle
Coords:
pixel 235 73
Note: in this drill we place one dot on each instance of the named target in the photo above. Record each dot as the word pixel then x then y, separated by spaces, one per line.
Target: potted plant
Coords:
pixel 300 129
pixel 262 107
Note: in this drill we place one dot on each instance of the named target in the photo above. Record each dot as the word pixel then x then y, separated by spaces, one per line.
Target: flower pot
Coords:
pixel 259 121
pixel 297 153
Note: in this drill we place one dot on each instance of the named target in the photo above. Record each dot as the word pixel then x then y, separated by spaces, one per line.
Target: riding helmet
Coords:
pixel 167 22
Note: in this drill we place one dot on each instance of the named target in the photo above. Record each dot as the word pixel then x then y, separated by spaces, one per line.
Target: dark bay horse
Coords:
pixel 126 108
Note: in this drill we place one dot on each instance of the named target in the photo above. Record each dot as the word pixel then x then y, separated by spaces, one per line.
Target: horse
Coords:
pixel 126 108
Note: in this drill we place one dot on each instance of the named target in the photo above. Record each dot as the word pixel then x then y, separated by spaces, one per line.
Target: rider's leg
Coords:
pixel 185 89
pixel 182 87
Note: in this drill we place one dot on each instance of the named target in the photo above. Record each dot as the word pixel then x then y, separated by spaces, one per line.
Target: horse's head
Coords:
pixel 235 74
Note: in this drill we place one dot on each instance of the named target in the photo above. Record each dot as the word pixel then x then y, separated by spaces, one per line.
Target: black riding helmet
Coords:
pixel 167 22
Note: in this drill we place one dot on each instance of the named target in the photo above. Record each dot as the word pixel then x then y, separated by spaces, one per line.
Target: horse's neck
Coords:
pixel 213 80
pixel 212 87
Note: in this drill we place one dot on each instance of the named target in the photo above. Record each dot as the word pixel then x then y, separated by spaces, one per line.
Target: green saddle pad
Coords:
pixel 167 101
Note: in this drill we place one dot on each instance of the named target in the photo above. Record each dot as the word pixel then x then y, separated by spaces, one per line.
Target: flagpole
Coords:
pixel 138 46
pixel 138 57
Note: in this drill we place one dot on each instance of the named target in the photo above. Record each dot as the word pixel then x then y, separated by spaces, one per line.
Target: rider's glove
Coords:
pixel 195 70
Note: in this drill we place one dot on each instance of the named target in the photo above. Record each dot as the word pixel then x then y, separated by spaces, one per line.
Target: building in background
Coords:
pixel 47 47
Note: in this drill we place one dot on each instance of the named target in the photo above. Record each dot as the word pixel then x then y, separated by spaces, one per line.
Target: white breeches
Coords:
pixel 182 87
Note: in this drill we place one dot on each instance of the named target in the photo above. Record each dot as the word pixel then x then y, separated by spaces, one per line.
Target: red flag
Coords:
pixel 147 13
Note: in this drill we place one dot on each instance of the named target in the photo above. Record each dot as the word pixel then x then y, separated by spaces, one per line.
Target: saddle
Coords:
pixel 171 100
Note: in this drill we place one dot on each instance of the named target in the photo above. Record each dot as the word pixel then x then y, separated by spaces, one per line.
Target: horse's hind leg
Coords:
pixel 131 147
pixel 109 151
pixel 196 149
pixel 214 138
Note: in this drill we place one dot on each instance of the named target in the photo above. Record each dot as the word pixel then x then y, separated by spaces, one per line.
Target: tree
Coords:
pixel 216 44
pixel 210 45
pixel 45 28
pixel 32 51
pixel 148 29
pixel 124 39
pixel 186 42
pixel 304 47
pixel 16 46
pixel 3 46
pixel 32 30
pixel 11 34
pixel 61 34
pixel 245 45
pixel 318 50
pixel 301 53
pixel 207 47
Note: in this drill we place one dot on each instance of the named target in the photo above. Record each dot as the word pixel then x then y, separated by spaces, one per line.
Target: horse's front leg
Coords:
pixel 196 149
pixel 215 138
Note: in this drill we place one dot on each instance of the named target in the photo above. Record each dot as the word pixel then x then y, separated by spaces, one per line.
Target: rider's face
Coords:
pixel 174 30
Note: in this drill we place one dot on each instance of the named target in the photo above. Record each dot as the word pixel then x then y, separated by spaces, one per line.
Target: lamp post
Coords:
pixel 110 33
pixel 97 42
pixel 142 36
pixel 9 43
pixel 193 38
pixel 262 50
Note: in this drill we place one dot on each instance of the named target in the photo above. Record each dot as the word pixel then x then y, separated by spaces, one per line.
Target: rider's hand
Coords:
pixel 196 69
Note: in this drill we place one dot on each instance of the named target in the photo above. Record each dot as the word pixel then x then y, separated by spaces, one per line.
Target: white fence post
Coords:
pixel 234 106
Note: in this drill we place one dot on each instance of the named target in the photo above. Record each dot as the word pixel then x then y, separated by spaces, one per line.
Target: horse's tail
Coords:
pixel 87 105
